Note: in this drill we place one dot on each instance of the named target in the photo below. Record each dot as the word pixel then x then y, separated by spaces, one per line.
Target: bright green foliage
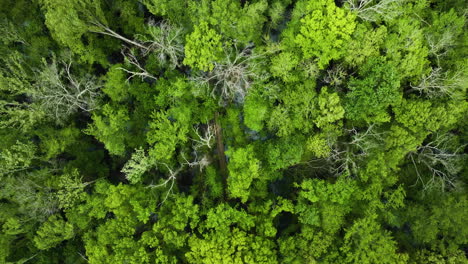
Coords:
pixel 15 81
pixel 166 135
pixel 233 19
pixel 137 166
pixel 12 226
pixel 406 48
pixel 329 108
pixel 69 22
pixel 296 110
pixel 255 112
pixel 324 204
pixel 70 190
pixel 371 95
pixel 227 241
pixel 213 182
pixel 110 128
pixel 116 86
pixel 283 64
pixel 55 142
pixel 318 145
pixel 321 209
pixel 17 158
pixel 231 131
pixel 324 31
pixel 175 11
pixel 283 152
pixel 366 242
pixel 236 21
pixel 432 227
pixel 445 31
pixel 243 169
pixel 52 232
pixel 203 48
pixel 364 44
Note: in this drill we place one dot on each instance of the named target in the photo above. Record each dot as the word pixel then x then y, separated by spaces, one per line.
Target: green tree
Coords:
pixel 52 232
pixel 324 31
pixel 243 170
pixel 203 48
pixel 371 95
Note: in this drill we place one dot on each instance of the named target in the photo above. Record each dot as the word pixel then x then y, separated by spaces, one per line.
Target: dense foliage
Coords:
pixel 228 131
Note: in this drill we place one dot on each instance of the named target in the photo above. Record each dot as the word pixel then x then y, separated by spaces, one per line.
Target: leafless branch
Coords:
pixel 441 163
pixel 109 32
pixel 372 10
pixel 207 139
pixel 232 77
pixel 164 39
pixel 335 76
pixel 61 93
pixel 170 180
pixel 345 156
pixel 439 84
pixel 140 70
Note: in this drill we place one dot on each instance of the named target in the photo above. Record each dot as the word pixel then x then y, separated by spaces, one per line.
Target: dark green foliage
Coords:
pixel 228 131
pixel 371 95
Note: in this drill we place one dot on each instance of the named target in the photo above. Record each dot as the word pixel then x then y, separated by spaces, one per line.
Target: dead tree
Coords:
pixel 344 157
pixel 373 10
pixel 231 78
pixel 435 163
pixel 163 39
pixel 439 84
pixel 335 76
pixel 62 93
pixel 139 70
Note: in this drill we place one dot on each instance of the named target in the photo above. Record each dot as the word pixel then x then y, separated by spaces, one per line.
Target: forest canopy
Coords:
pixel 229 131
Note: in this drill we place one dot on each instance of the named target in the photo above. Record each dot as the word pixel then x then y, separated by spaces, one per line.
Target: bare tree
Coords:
pixel 206 139
pixel 105 30
pixel 437 158
pixel 61 93
pixel 163 39
pixel 373 10
pixel 232 77
pixel 438 45
pixel 344 157
pixel 335 76
pixel 440 84
pixel 166 40
pixel 139 71
pixel 169 182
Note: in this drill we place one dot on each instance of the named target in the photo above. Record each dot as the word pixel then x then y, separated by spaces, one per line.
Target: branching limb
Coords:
pixel 372 10
pixel 442 163
pixel 439 84
pixel 61 93
pixel 232 77
pixel 140 70
pixel 205 140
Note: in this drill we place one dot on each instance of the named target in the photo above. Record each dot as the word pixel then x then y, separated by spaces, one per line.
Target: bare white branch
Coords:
pixel 373 10
pixel 61 93
pixel 439 84
pixel 205 140
pixel 164 39
pixel 140 70
pixel 232 77
pixel 441 163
